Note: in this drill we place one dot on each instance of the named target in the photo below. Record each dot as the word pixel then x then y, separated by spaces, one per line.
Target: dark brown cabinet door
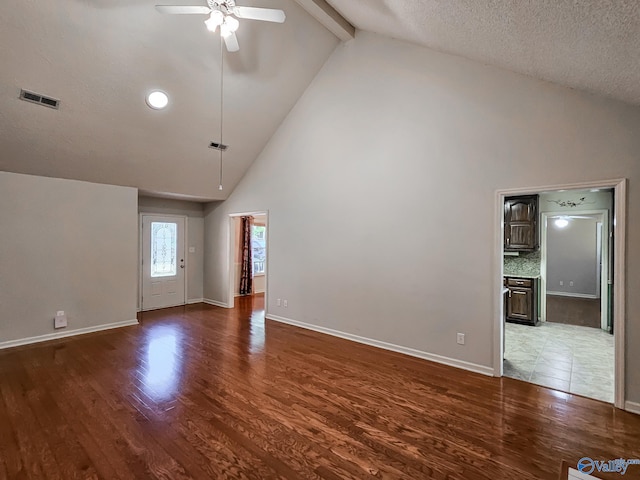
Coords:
pixel 519 304
pixel 520 223
pixel 521 301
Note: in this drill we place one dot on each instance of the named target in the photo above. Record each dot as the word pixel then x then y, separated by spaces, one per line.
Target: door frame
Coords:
pixel 186 263
pixel 619 220
pixel 231 241
pixel 601 216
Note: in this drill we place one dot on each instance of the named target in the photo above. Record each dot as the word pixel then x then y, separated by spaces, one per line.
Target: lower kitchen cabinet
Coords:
pixel 522 300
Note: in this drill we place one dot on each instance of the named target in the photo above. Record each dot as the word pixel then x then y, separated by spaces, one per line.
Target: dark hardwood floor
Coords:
pixel 583 312
pixel 207 393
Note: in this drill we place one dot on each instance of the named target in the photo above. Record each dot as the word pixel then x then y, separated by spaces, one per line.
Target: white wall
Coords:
pixel 65 245
pixel 572 257
pixel 195 236
pixel 397 148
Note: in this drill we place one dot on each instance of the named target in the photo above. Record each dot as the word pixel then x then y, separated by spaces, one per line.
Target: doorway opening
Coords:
pixel 575 267
pixel 248 254
pixel 561 308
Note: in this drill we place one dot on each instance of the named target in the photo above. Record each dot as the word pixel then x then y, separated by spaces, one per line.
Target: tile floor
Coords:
pixel 564 357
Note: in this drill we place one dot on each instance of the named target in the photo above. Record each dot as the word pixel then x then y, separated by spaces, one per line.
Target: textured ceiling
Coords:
pixel 592 45
pixel 100 58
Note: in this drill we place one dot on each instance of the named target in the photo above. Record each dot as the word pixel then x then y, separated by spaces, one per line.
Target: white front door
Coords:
pixel 163 261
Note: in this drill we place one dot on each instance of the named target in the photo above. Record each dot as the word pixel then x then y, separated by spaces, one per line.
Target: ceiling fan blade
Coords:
pixel 183 9
pixel 265 14
pixel 231 42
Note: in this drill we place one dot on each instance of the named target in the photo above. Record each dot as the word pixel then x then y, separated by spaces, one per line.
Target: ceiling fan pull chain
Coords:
pixel 221 105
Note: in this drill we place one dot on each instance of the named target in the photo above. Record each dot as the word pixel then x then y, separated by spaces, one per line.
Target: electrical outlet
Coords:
pixel 571 283
pixel 460 338
pixel 60 320
pixel 278 302
pixel 286 304
pixel 561 283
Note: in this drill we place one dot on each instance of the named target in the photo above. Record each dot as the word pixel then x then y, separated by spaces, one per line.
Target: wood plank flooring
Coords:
pixel 204 392
pixel 583 312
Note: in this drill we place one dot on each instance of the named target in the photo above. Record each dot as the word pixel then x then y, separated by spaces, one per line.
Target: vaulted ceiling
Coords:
pixel 100 58
pixel 592 45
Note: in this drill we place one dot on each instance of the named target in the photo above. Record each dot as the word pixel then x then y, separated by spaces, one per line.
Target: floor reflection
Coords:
pixel 250 327
pixel 256 332
pixel 164 362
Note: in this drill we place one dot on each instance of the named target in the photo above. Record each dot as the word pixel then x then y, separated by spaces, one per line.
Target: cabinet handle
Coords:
pixel 520 283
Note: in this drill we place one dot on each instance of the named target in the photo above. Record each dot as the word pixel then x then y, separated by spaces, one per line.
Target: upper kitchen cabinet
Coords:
pixel 521 223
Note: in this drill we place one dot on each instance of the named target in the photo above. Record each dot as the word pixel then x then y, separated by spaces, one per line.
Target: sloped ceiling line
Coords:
pixel 330 18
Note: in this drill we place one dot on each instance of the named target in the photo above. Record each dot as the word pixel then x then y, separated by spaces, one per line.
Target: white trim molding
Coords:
pixel 216 303
pixel 632 407
pixel 191 301
pixel 231 265
pixel 452 362
pixel 619 186
pixel 70 333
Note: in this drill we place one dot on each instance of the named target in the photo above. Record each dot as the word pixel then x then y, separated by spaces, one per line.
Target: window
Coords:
pixel 258 248
pixel 163 249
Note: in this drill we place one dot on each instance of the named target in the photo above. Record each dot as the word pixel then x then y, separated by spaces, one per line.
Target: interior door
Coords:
pixel 163 262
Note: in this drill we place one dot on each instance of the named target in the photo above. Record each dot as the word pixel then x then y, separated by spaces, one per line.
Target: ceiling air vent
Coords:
pixel 32 97
pixel 218 146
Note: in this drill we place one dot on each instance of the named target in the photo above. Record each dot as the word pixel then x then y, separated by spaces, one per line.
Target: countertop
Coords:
pixel 513 275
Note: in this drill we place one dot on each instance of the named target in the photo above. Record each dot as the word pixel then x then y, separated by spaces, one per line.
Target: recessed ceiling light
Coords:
pixel 561 222
pixel 157 100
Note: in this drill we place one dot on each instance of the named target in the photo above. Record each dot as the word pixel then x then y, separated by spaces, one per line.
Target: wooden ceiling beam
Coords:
pixel 330 18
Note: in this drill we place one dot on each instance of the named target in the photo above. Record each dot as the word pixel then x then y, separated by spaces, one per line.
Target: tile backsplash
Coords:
pixel 526 264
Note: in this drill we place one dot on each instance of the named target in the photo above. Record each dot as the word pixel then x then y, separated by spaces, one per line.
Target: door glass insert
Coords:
pixel 163 249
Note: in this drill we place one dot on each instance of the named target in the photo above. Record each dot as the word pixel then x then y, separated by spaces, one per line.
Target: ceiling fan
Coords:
pixel 223 13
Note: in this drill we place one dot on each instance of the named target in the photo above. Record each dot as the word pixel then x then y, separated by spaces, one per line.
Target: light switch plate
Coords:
pixel 192 249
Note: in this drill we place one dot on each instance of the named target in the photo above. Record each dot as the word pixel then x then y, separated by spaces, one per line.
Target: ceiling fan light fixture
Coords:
pixel 232 23
pixel 215 19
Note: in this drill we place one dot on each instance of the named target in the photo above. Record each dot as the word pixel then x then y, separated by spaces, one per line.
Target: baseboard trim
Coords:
pixel 70 333
pixel 632 407
pixel 195 300
pixel 575 295
pixel 215 303
pixel 452 362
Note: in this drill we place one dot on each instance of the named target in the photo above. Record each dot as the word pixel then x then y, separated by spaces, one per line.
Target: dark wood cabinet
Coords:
pixel 522 300
pixel 521 223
